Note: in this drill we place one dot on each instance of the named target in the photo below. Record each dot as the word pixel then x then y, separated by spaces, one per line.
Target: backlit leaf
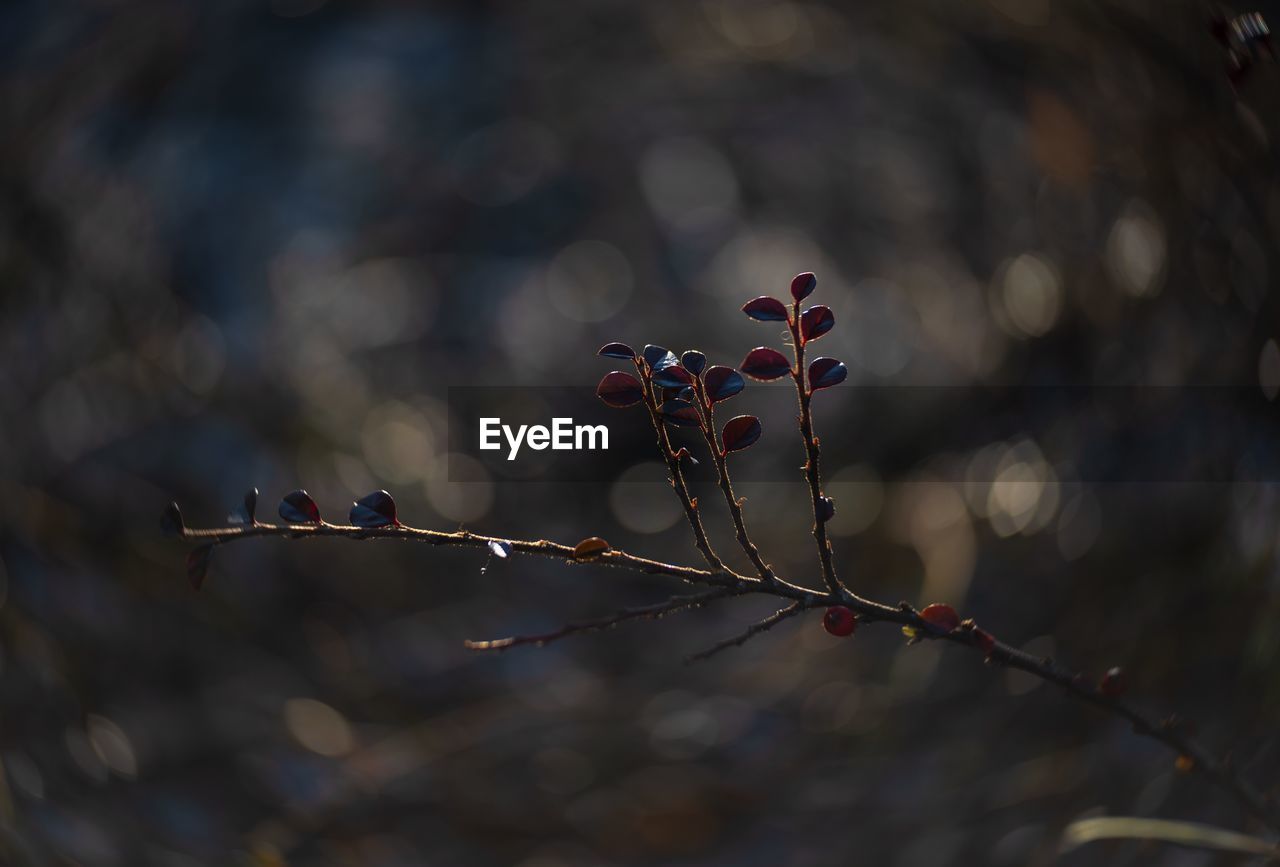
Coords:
pixel 802 285
pixel 722 382
pixel 617 350
pixel 765 364
pixel 619 389
pixel 171 521
pixel 374 510
pixel 740 433
pixel 826 372
pixel 765 309
pixel 672 376
pixel 246 512
pixel 297 507
pixel 659 356
pixel 816 321
pixel 680 413
pixel 693 361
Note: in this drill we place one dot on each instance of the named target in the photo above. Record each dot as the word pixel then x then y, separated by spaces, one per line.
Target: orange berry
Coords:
pixel 941 616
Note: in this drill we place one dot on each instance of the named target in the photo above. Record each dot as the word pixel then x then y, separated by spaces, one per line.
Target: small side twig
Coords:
pixel 640 612
pixel 750 632
pixel 723 577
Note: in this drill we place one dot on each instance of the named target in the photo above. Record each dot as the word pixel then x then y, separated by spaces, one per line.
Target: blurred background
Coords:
pixel 252 243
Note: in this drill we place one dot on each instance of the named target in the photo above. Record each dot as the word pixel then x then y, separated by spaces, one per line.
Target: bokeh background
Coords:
pixel 253 243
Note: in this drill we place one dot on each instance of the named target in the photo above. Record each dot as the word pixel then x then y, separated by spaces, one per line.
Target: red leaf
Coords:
pixel 740 433
pixel 619 389
pixel 802 285
pixel 374 510
pixel 765 309
pixel 722 382
pixel 816 321
pixel 826 372
pixel 765 364
pixel 297 507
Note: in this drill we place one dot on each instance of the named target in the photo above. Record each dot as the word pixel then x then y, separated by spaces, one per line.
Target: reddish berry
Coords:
pixel 941 616
pixel 1184 764
pixel 840 621
pixel 983 639
pixel 1113 683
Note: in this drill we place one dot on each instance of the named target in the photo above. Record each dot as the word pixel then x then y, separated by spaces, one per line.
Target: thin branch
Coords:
pixel 1165 730
pixel 642 612
pixel 750 632
pixel 689 502
pixel 706 410
pixel 812 467
pixel 967 635
pixel 725 577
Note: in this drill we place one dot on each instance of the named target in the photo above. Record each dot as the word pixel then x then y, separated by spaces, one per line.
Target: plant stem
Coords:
pixel 813 467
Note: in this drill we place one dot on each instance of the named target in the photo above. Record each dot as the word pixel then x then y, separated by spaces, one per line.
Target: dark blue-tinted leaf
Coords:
pixel 375 510
pixel 816 321
pixel 672 376
pixel 693 361
pixel 765 364
pixel 619 389
pixel 617 350
pixel 659 356
pixel 722 382
pixel 765 309
pixel 171 521
pixel 826 509
pixel 297 507
pixel 826 372
pixel 247 511
pixel 500 548
pixel 802 285
pixel 740 432
pixel 198 565
pixel 680 413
